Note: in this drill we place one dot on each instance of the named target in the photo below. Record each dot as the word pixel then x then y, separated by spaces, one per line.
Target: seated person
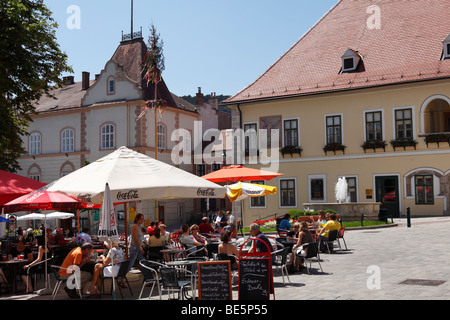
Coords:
pixel 187 240
pixel 42 249
pixel 292 235
pixel 298 251
pixel 116 255
pixel 205 227
pixel 83 237
pixel 231 221
pixel 227 248
pixel 332 224
pixel 78 256
pixel 156 240
pixel 220 221
pixel 285 225
pixel 21 248
pixel 151 228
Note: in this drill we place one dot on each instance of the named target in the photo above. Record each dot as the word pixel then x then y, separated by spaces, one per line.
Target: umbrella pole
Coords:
pixel 126 229
pixel 46 290
pixel 112 267
pixel 78 218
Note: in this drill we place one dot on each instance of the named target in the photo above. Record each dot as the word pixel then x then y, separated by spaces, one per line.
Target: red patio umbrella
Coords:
pixel 13 186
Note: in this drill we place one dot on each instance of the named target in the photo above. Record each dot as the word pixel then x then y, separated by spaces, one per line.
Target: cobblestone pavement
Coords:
pixel 373 268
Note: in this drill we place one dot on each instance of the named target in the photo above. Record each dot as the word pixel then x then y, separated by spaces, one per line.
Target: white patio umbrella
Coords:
pixel 49 216
pixel 133 176
pixel 31 216
pixel 107 229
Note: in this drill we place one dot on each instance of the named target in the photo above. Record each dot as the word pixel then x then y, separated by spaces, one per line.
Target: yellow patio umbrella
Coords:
pixel 242 190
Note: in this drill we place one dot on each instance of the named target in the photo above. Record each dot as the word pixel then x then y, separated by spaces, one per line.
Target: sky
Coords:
pixel 220 46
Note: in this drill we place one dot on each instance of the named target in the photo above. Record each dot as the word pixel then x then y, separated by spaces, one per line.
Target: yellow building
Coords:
pixel 364 94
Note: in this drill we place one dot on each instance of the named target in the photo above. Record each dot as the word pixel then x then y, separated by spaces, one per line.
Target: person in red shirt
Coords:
pixel 205 227
pixel 151 229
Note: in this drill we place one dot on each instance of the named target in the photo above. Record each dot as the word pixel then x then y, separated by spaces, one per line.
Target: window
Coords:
pixel 334 129
pixel 403 124
pixel 446 53
pixel 317 192
pixel 36 177
pixel 348 63
pixel 111 85
pixel 350 60
pixel 35 143
pixel 424 189
pixel 352 190
pixel 108 136
pixel 291 133
pixel 374 126
pixel 215 167
pixel 67 138
pixel 161 131
pixel 258 202
pixel 287 193
pixel 201 170
pixel 250 137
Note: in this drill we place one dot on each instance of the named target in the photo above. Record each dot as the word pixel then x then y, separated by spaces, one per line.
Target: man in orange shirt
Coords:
pixel 79 257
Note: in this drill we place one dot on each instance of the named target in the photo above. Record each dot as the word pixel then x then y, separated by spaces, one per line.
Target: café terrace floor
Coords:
pixel 402 257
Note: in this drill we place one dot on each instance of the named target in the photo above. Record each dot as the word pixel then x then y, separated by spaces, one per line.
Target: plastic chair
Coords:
pixel 312 251
pixel 122 274
pixel 60 281
pixel 171 282
pixel 332 236
pixel 281 261
pixel 340 235
pixel 150 276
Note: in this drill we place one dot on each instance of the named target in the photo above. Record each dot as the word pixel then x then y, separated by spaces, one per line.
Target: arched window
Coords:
pixel 108 136
pixel 162 133
pixel 67 140
pixel 35 143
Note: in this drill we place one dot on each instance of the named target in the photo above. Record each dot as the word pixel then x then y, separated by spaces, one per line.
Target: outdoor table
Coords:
pixel 172 252
pixel 13 265
pixel 183 264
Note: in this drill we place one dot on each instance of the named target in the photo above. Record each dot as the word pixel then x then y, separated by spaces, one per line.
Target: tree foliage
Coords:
pixel 31 63
pixel 153 63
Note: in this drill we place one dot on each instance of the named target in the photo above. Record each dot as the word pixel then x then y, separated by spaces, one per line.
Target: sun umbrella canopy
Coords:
pixel 13 186
pixel 242 190
pixel 4 220
pixel 133 176
pixel 45 200
pixel 107 228
pixel 59 215
pixel 239 173
pixel 31 216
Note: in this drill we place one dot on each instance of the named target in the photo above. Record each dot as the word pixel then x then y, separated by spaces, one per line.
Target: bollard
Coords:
pixel 362 220
pixel 408 217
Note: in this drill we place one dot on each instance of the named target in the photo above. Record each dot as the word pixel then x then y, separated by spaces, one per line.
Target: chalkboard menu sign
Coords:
pixel 214 280
pixel 254 279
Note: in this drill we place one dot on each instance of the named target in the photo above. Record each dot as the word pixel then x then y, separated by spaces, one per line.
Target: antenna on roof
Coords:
pixel 132 19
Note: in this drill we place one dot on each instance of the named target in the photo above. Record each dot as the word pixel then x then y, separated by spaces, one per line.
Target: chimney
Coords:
pixel 199 97
pixel 85 80
pixel 68 80
pixel 214 101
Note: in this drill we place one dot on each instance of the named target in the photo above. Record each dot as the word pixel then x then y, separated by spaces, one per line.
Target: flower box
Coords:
pixel 291 150
pixel 403 143
pixel 334 147
pixel 375 144
pixel 437 138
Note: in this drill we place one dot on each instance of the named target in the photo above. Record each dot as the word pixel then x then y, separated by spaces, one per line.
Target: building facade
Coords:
pixel 368 104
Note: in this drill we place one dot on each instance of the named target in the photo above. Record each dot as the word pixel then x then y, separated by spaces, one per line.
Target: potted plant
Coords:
pixel 437 138
pixel 403 143
pixel 334 147
pixel 291 150
pixel 374 144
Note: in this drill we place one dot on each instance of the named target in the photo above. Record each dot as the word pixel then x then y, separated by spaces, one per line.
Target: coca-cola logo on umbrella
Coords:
pixel 84 197
pixel 209 192
pixel 130 195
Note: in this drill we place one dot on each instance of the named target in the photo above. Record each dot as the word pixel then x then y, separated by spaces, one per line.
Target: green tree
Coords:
pixel 31 63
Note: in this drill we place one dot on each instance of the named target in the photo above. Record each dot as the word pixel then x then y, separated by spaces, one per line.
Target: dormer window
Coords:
pixel 350 60
pixel 446 54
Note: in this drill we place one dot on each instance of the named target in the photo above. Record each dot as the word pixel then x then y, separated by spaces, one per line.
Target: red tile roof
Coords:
pixel 407 47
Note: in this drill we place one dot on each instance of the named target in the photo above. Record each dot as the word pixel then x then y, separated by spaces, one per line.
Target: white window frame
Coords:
pixel 35 144
pixel 342 126
pixel 446 52
pixel 161 136
pixel 413 121
pixel 357 184
pixel 383 135
pixel 70 140
pixel 111 134
pixel 262 182
pixel 296 192
pixel 317 177
pixel 298 130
